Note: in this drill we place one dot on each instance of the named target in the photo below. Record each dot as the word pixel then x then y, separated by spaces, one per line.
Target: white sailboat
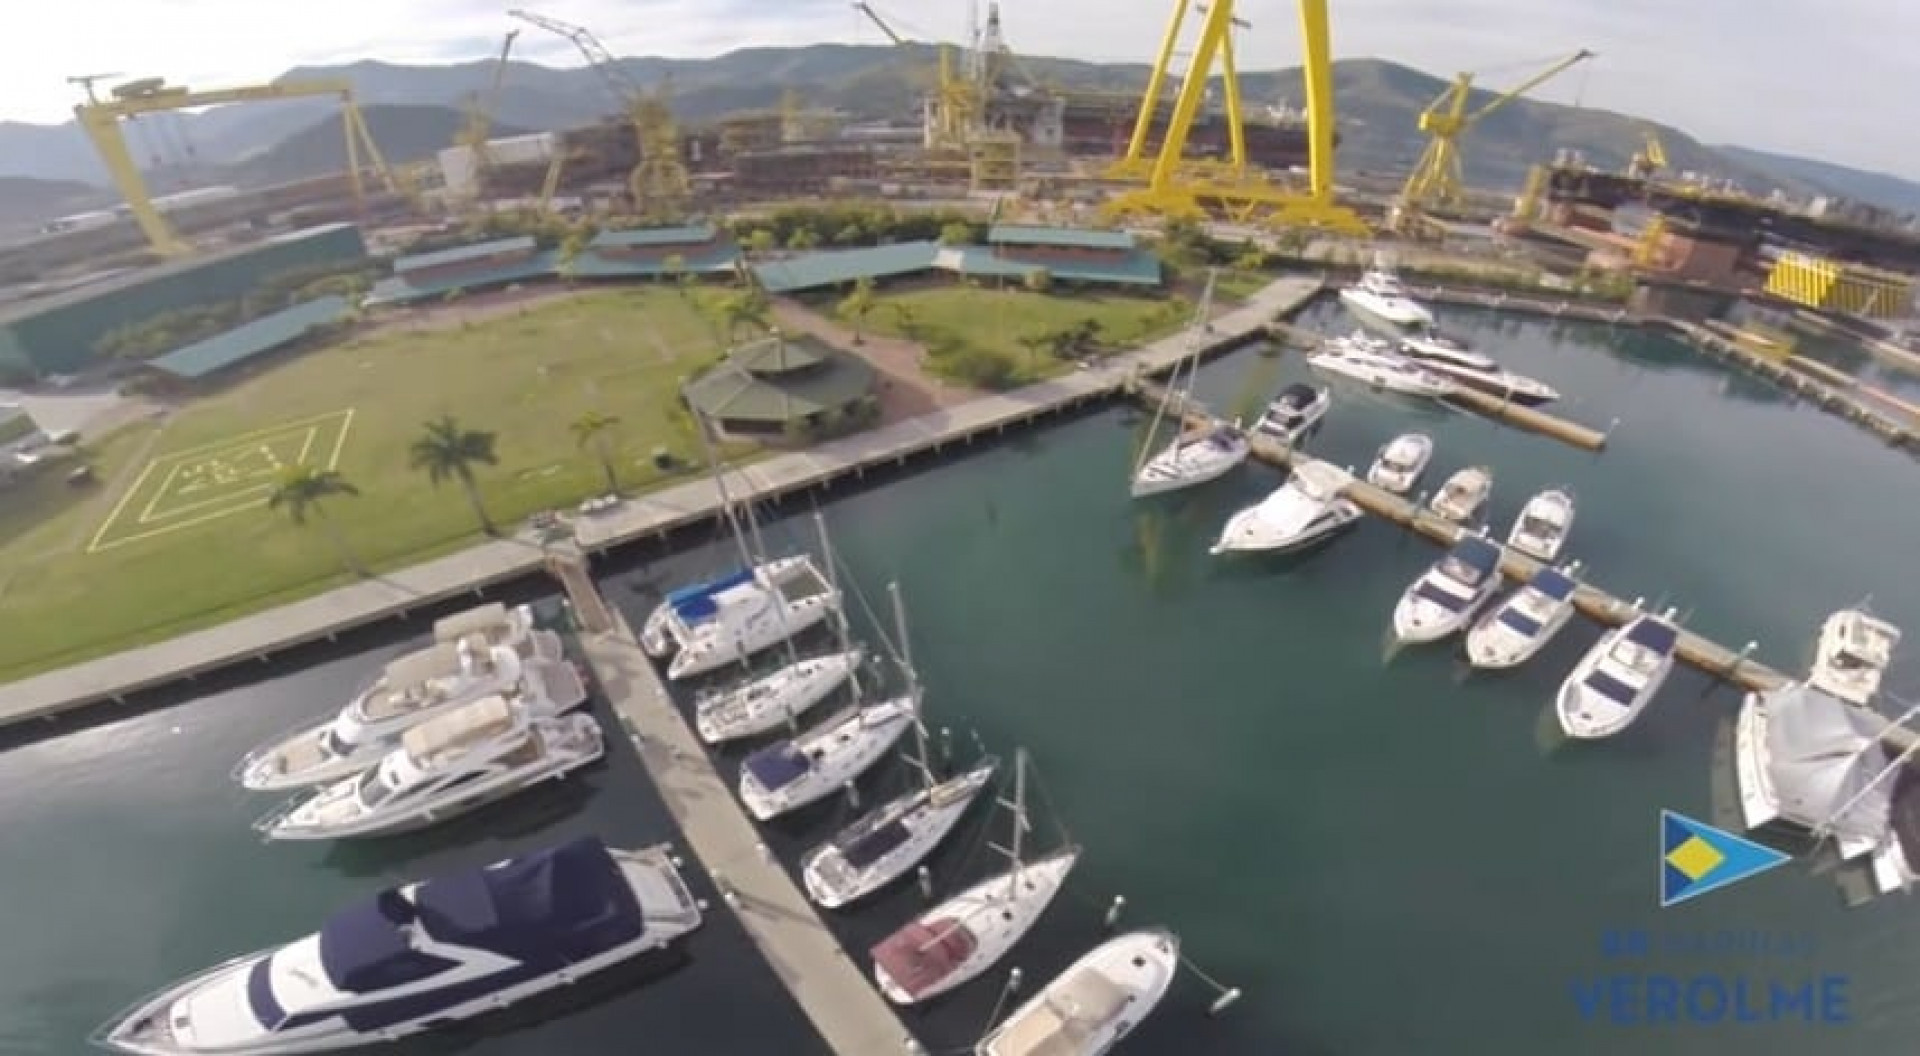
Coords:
pixel 1852 654
pixel 1618 677
pixel 960 938
pixel 1094 1003
pixel 1544 523
pixel 1522 625
pixel 1196 456
pixel 883 844
pixel 1307 508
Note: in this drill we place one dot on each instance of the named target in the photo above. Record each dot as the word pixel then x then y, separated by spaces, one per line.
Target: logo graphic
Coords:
pixel 1696 858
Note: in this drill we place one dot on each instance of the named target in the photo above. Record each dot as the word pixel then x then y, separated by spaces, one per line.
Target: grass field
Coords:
pixel 998 319
pixel 178 536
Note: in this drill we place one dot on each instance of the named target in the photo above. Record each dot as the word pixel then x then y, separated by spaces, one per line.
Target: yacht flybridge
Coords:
pixel 1541 529
pixel 1094 1003
pixel 1618 677
pixel 1522 625
pixel 1455 360
pixel 1463 495
pixel 421 956
pixel 1379 370
pixel 1401 461
pixel 1381 295
pixel 958 939
pixel 444 767
pixel 1853 652
pixel 1293 413
pixel 1309 507
pixel 1447 596
pixel 412 690
pixel 1195 456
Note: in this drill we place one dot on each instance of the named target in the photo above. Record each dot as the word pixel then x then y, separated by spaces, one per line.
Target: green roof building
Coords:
pixel 778 383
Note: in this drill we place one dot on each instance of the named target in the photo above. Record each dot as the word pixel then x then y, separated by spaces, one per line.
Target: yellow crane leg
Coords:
pixel 1316 41
pixel 104 130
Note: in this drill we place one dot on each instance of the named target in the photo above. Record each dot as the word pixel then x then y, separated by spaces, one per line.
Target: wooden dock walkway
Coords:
pixel 1806 378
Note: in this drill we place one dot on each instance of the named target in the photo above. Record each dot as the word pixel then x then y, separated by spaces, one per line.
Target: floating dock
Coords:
pixel 1799 378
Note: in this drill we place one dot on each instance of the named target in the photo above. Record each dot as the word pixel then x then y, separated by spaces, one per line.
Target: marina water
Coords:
pixel 1386 855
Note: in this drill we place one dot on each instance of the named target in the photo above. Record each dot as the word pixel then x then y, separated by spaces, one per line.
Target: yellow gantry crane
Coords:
pixel 478 124
pixel 1176 188
pixel 659 184
pixel 100 119
pixel 1649 161
pixel 1437 182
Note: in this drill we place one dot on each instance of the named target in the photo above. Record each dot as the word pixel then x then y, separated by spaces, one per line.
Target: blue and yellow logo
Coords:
pixel 1696 858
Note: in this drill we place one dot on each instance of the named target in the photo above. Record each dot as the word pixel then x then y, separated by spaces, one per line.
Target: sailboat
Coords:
pixel 1196 456
pixel 960 938
pixel 882 845
pixel 760 704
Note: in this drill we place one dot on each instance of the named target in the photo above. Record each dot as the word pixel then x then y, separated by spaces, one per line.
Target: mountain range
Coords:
pixel 414 110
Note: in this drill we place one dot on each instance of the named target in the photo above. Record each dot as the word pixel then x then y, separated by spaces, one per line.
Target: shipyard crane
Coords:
pixel 479 117
pixel 101 120
pixel 1650 160
pixel 1436 182
pixel 659 183
pixel 956 100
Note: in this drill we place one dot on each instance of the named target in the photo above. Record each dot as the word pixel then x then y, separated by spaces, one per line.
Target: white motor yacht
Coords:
pixel 1381 295
pixel 1618 677
pixel 1401 461
pixel 496 623
pixel 1093 1004
pixel 1541 529
pixel 410 691
pixel 1293 413
pixel 764 703
pixel 1306 509
pixel 730 619
pixel 1811 759
pixel 1463 495
pixel 789 775
pixel 1854 650
pixel 884 844
pixel 1453 359
pixel 1514 630
pixel 1447 596
pixel 422 956
pixel 1380 370
pixel 444 767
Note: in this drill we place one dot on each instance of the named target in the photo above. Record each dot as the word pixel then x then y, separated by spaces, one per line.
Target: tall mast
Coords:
pixel 842 632
pixel 720 484
pixel 920 761
pixel 1194 333
pixel 1019 808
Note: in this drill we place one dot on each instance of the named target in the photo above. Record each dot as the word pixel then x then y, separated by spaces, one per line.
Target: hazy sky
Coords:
pixel 1822 79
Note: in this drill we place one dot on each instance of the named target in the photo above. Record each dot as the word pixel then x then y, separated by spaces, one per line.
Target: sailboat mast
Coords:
pixel 921 760
pixel 1192 361
pixel 720 485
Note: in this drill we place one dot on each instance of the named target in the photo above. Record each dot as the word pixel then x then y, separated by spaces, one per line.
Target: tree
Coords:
pixel 571 246
pixel 957 233
pixel 761 242
pixel 803 238
pixel 302 491
pixel 858 304
pixel 906 319
pixel 1039 280
pixel 596 429
pixel 446 450
pixel 748 307
pixel 674 268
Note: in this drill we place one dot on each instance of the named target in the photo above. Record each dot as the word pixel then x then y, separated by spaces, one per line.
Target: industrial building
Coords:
pixel 641 253
pixel 61 334
pixel 1067 255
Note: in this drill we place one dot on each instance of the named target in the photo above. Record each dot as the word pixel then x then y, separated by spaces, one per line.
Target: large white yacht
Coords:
pixel 1381 295
pixel 1293 413
pixel 1463 495
pixel 410 691
pixel 1852 654
pixel 496 623
pixel 1807 757
pixel 444 767
pixel 422 956
pixel 1380 370
pixel 1309 507
pixel 789 775
pixel 1522 625
pixel 1088 1008
pixel 1448 595
pixel 761 704
pixel 1618 677
pixel 1543 525
pixel 1453 358
pixel 1401 461
pixel 711 625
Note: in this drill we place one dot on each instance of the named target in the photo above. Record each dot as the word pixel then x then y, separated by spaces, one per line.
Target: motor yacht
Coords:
pixel 1854 650
pixel 882 845
pixel 1194 457
pixel 1811 759
pixel 1453 359
pixel 444 767
pixel 794 773
pixel 965 935
pixel 1293 413
pixel 1618 677
pixel 1400 462
pixel 495 623
pixel 1541 529
pixel 709 626
pixel 1306 509
pixel 1463 495
pixel 1381 295
pixel 1514 630
pixel 410 691
pixel 422 956
pixel 1447 596
pixel 761 704
pixel 1088 1008
pixel 1383 371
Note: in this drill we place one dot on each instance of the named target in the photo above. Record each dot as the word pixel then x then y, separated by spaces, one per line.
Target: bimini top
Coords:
pixel 1657 635
pixel 1554 583
pixel 777 765
pixel 1822 753
pixel 697 600
pixel 1477 553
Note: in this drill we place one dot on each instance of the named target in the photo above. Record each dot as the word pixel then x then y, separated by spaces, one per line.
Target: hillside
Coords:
pixel 29 202
pixel 1877 187
pixel 404 133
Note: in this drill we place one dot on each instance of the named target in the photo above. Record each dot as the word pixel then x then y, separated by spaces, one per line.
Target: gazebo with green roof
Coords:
pixel 780 384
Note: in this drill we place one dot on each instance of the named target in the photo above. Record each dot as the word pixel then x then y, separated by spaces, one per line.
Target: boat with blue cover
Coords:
pixel 1522 625
pixel 423 955
pixel 789 775
pixel 1618 677
pixel 710 625
pixel 1447 596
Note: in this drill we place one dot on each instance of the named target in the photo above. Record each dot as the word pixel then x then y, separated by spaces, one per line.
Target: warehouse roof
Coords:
pixel 251 339
pixel 402 289
pixel 691 234
pixel 1064 237
pixel 591 265
pixel 733 390
pixel 457 254
pixel 1137 267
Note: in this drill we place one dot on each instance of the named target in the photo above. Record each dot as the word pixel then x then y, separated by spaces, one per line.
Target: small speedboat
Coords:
pixel 474 755
pixel 1306 509
pixel 1517 628
pixel 1461 498
pixel 710 625
pixel 1854 650
pixel 792 774
pixel 1452 358
pixel 1381 295
pixel 1541 529
pixel 1447 596
pixel 881 846
pixel 1618 677
pixel 1383 371
pixel 761 704
pixel 1195 457
pixel 1293 413
pixel 1088 1008
pixel 421 956
pixel 1401 461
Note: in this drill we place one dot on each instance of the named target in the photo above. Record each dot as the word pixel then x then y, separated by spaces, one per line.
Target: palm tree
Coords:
pixel 858 304
pixel 448 451
pixel 596 428
pixel 302 490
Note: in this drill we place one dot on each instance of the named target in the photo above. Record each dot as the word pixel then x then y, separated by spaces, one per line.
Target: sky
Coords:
pixel 1821 80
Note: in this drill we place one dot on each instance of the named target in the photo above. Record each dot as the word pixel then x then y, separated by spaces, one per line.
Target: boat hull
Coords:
pixel 1492 646
pixel 882 726
pixel 1377 379
pixel 802 687
pixel 929 829
pixel 1167 472
pixel 1758 806
pixel 1142 963
pixel 996 921
pixel 1585 719
pixel 1396 313
pixel 1248 537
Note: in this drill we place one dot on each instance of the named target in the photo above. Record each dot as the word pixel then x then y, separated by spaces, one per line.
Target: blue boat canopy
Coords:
pixel 869 847
pixel 777 766
pixel 1554 584
pixel 693 602
pixel 1519 621
pixel 1477 553
pixel 1427 591
pixel 1610 687
pixel 569 902
pixel 362 948
pixel 1658 635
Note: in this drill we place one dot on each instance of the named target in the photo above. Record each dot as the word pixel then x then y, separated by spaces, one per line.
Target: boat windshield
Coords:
pixel 1454 568
pixel 1538 526
pixel 1634 657
pixel 375 787
pixel 334 744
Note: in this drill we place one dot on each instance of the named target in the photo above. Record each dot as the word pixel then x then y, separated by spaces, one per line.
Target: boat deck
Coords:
pixel 807 584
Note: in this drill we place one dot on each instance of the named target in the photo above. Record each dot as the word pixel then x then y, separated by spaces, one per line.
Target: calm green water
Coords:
pixel 1387 856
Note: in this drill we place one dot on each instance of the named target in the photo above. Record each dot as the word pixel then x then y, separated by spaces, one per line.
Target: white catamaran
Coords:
pixel 1195 456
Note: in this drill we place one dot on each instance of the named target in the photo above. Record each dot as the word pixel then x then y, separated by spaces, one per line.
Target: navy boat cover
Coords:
pixel 1519 621
pixel 569 902
pixel 777 765
pixel 1477 553
pixel 362 947
pixel 1450 602
pixel 1610 687
pixel 1553 583
pixel 1656 635
pixel 696 601
pixel 868 847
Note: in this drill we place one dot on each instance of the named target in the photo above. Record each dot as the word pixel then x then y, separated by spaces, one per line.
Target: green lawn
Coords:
pixel 190 544
pixel 997 320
